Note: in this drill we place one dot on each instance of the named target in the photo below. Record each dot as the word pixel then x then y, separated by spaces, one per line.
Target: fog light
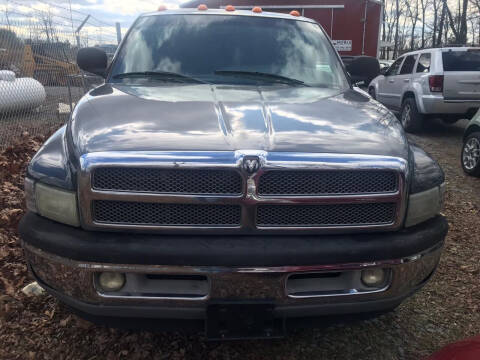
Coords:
pixel 373 277
pixel 111 281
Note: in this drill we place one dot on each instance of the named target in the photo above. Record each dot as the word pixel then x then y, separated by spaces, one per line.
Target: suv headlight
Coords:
pixel 53 203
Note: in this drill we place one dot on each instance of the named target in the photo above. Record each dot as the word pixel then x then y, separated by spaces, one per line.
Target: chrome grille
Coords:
pixel 140 213
pixel 202 191
pixel 326 215
pixel 158 180
pixel 327 182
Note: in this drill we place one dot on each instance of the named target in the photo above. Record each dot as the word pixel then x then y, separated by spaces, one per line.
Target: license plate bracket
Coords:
pixel 243 320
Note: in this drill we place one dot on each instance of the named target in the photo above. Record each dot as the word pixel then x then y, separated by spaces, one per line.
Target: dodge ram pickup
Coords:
pixel 228 174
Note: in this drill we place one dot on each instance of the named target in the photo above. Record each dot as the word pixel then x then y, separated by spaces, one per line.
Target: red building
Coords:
pixel 353 25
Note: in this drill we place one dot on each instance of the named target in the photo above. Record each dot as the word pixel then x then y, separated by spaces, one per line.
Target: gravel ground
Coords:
pixel 445 310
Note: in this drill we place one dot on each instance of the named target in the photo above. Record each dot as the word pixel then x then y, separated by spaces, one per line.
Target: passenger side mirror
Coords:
pixel 93 60
pixel 363 69
pixel 384 71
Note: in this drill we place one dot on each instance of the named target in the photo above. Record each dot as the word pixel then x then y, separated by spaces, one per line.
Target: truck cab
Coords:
pixel 228 174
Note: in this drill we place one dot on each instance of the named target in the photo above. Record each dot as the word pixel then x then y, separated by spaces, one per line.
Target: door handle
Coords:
pixel 391 81
pixel 406 80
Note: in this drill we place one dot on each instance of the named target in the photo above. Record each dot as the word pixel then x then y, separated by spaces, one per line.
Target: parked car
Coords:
pixel 471 147
pixel 362 69
pixel 385 64
pixel 442 83
pixel 228 174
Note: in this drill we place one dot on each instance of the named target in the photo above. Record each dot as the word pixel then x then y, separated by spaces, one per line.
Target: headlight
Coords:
pixel 53 203
pixel 425 205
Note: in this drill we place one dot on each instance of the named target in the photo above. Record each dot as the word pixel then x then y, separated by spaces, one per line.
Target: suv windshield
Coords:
pixel 226 49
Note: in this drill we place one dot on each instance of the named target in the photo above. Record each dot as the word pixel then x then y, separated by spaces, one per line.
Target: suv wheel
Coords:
pixel 471 154
pixel 411 119
pixel 371 92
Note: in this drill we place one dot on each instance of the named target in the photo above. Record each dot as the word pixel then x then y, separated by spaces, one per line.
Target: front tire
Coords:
pixel 411 119
pixel 470 156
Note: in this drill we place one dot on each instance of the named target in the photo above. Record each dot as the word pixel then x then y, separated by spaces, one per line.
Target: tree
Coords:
pixel 459 29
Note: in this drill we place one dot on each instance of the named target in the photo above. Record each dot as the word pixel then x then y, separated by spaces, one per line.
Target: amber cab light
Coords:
pixel 230 8
pixel 257 9
pixel 294 13
pixel 202 7
pixel 162 8
pixel 436 83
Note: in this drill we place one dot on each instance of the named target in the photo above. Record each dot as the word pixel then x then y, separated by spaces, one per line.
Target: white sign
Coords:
pixel 342 45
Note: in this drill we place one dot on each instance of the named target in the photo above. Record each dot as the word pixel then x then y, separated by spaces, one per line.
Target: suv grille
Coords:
pixel 326 215
pixel 327 182
pixel 156 180
pixel 139 213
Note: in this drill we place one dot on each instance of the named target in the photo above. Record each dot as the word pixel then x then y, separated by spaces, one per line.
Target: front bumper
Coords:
pixel 238 275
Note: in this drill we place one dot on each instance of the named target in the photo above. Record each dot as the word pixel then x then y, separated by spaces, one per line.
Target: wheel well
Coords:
pixel 470 130
pixel 408 94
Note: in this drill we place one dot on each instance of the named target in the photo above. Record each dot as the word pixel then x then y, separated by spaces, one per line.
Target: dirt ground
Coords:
pixel 446 310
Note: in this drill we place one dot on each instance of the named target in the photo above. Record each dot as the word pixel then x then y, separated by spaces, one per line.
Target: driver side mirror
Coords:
pixel 93 60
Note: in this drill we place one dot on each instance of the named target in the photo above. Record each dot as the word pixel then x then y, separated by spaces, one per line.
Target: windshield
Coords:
pixel 225 49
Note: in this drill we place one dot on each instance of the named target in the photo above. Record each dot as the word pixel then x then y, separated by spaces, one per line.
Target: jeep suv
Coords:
pixel 227 173
pixel 441 83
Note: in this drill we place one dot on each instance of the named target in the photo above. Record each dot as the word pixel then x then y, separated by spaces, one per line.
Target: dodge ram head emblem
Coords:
pixel 251 164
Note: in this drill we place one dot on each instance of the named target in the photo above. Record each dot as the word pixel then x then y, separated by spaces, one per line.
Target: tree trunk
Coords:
pixel 435 21
pixel 423 23
pixel 440 26
pixel 397 19
pixel 463 23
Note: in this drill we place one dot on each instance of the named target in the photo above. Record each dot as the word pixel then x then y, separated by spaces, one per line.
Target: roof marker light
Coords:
pixel 294 13
pixel 162 8
pixel 202 7
pixel 257 9
pixel 230 8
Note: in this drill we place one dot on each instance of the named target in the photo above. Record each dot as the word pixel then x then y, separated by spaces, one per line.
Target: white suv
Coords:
pixel 442 83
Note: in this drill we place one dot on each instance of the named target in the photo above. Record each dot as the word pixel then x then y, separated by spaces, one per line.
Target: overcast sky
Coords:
pixel 124 11
pixel 22 16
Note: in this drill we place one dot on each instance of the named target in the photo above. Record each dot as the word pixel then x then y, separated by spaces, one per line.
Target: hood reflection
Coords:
pixel 204 117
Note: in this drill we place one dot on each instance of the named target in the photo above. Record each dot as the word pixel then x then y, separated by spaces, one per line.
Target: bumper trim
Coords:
pixel 169 269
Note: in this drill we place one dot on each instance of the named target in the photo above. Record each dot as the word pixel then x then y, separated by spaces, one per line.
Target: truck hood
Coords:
pixel 206 118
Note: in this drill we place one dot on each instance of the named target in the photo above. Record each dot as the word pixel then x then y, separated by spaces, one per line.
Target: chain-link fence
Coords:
pixel 39 79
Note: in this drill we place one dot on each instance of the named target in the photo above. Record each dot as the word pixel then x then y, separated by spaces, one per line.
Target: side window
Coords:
pixel 408 64
pixel 423 65
pixel 393 70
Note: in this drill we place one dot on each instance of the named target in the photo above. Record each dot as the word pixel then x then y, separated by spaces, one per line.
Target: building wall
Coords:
pixel 339 23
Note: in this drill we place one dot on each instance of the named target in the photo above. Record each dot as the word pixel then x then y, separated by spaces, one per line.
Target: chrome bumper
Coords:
pixel 75 282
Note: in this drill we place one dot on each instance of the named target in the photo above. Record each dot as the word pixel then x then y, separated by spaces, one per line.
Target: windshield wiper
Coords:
pixel 162 75
pixel 261 75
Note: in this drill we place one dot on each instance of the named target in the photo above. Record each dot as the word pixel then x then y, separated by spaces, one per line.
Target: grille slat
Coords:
pixel 139 213
pixel 155 180
pixel 326 215
pixel 308 182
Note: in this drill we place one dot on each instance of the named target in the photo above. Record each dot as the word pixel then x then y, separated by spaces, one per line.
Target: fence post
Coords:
pixel 119 32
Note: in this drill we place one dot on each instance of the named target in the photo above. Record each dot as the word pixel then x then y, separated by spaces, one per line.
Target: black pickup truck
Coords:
pixel 228 173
